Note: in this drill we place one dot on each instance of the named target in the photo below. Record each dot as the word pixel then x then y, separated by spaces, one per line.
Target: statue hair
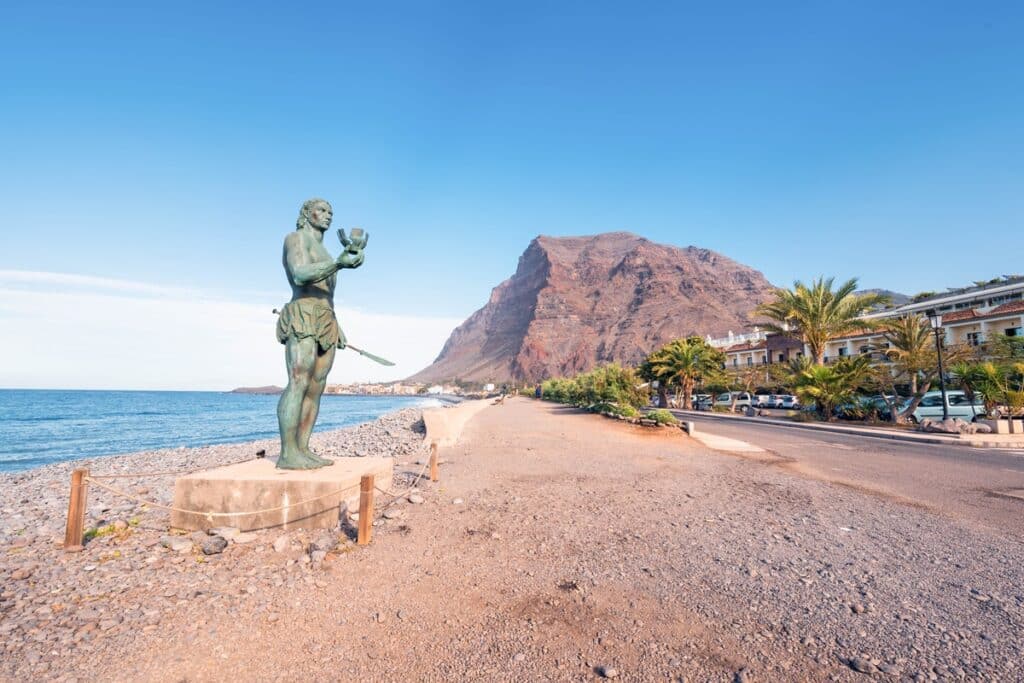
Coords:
pixel 307 207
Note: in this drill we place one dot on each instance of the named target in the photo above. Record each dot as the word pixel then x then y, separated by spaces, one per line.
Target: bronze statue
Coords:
pixel 309 329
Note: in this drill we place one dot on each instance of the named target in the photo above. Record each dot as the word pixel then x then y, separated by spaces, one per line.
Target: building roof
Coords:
pixel 1003 285
pixel 1012 307
pixel 975 314
pixel 745 347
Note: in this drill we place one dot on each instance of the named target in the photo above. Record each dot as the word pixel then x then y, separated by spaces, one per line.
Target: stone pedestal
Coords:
pixel 289 499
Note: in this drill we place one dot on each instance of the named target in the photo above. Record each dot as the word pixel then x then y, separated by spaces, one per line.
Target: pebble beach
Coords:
pixel 54 603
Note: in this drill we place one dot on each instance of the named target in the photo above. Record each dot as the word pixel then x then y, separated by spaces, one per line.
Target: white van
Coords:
pixel 743 399
pixel 959 405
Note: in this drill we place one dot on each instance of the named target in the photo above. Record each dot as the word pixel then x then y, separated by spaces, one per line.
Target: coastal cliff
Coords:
pixel 575 302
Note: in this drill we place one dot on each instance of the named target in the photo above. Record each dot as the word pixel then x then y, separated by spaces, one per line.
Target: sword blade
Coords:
pixel 378 359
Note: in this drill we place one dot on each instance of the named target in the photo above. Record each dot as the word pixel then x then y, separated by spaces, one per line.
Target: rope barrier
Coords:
pixel 201 513
pixel 395 496
pixel 209 515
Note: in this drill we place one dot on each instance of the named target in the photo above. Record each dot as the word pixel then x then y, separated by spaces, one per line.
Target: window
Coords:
pixel 782 356
pixel 842 351
pixel 931 401
pixel 764 359
pixel 750 360
pixel 974 338
pixel 1015 332
pixel 865 349
pixel 735 361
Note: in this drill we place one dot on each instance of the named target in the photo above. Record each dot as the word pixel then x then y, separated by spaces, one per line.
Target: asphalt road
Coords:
pixel 977 487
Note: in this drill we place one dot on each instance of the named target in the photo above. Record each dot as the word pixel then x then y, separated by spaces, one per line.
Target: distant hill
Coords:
pixel 575 302
pixel 897 298
pixel 257 390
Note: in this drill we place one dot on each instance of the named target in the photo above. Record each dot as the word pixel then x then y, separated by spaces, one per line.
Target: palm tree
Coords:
pixel 830 385
pixel 973 378
pixel 684 362
pixel 911 349
pixel 817 313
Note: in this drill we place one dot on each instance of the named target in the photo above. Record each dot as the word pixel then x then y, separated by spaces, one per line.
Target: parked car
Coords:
pixel 790 402
pixel 702 401
pixel 743 399
pixel 764 401
pixel 882 405
pixel 957 402
pixel 864 407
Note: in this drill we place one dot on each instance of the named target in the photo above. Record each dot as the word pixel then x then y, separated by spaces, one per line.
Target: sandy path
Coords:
pixel 583 542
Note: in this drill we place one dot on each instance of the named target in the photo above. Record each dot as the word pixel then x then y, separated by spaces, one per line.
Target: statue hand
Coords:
pixel 351 258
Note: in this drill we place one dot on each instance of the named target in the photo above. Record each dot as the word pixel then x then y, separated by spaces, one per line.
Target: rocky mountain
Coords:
pixel 575 302
pixel 895 298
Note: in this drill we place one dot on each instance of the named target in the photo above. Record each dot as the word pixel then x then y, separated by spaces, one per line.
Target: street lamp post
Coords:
pixel 936 321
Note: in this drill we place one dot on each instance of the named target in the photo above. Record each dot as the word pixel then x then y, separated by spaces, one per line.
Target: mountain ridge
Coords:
pixel 575 302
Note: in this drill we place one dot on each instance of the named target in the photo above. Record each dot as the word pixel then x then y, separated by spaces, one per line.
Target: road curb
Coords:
pixel 947 441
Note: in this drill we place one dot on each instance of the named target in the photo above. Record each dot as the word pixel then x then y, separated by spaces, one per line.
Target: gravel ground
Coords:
pixel 557 546
pixel 60 610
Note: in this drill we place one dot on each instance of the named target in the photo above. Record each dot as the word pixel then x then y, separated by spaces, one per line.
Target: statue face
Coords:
pixel 320 216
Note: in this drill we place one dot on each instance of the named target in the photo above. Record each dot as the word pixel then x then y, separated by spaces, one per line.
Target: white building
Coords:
pixel 971 316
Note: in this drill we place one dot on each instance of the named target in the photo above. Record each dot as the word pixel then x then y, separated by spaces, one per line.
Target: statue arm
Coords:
pixel 304 271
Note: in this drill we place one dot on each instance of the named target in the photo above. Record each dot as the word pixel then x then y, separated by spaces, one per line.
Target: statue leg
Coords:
pixel 300 357
pixel 311 403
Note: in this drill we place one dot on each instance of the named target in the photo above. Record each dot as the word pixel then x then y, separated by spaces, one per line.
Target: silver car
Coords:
pixel 957 404
pixel 790 402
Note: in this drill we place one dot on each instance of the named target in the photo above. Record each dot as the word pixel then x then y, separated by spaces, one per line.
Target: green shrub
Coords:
pixel 628 411
pixel 607 384
pixel 720 409
pixel 606 407
pixel 662 417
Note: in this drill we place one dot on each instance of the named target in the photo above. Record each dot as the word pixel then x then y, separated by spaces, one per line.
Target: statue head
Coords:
pixel 321 221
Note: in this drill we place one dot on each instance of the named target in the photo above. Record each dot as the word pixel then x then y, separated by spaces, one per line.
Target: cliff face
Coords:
pixel 575 302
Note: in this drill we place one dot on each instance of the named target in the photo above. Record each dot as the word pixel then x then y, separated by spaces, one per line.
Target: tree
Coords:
pixel 683 363
pixel 817 313
pixel 999 383
pixel 744 378
pixel 910 346
pixel 647 372
pixel 974 379
pixel 830 385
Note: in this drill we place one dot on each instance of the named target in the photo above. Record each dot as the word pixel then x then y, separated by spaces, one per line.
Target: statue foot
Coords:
pixel 321 462
pixel 296 460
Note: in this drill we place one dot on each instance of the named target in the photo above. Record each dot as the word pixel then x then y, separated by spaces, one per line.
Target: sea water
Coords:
pixel 40 426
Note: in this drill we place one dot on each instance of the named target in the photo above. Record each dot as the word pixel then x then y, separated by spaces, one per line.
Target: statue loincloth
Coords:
pixel 310 318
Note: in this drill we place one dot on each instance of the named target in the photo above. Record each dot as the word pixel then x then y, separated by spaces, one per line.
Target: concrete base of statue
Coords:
pixel 266 497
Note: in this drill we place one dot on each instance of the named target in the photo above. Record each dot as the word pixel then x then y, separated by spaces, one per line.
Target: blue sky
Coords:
pixel 172 145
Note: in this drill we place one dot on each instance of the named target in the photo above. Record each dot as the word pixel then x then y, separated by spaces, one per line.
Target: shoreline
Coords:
pixel 269 442
pixel 35 567
pixel 35 499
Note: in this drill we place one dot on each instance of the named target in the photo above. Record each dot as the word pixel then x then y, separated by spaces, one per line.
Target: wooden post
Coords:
pixel 365 509
pixel 75 529
pixel 434 476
